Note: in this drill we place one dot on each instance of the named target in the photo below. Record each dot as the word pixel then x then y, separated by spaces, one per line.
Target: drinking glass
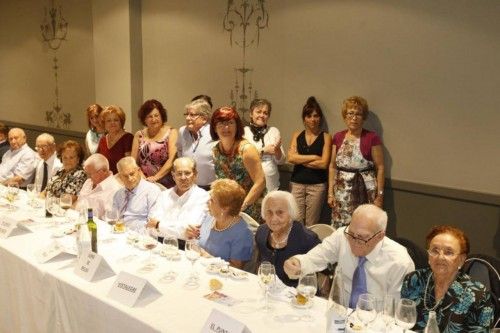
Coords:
pixel 111 217
pixel 365 309
pixel 33 192
pixel 406 314
pixel 192 252
pixel 307 287
pixel 150 242
pixel 65 201
pixel 267 276
pixel 12 193
pixel 387 311
pixel 171 247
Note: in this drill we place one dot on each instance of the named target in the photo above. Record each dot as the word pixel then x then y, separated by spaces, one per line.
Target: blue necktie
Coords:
pixel 358 283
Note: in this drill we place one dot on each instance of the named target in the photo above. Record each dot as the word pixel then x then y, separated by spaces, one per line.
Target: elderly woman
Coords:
pixel 117 143
pixel 71 177
pixel 282 237
pixel 310 151
pixel 224 233
pixel 195 141
pixel 236 158
pixel 461 304
pixel 154 146
pixel 96 130
pixel 356 173
pixel 267 140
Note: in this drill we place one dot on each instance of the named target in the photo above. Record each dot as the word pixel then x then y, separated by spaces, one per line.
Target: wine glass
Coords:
pixel 65 201
pixel 406 314
pixel 192 251
pixel 387 310
pixel 12 193
pixel 33 192
pixel 111 217
pixel 150 242
pixel 267 276
pixel 306 289
pixel 171 247
pixel 365 309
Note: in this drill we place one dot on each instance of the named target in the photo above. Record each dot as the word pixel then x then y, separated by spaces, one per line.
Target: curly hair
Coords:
pixel 460 236
pixel 355 102
pixel 148 106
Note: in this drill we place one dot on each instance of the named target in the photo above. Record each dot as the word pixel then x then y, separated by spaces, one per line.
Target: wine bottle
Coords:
pixel 92 226
pixel 432 325
pixel 83 240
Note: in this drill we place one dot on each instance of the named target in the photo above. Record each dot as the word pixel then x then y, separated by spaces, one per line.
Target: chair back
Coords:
pixel 322 230
pixel 252 224
pixel 417 254
pixel 485 269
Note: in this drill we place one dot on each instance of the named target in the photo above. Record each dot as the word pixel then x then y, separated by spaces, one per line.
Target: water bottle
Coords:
pixel 337 305
pixel 432 324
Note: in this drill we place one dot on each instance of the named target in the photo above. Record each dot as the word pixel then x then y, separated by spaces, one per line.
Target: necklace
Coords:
pixel 233 222
pixel 426 295
pixel 282 242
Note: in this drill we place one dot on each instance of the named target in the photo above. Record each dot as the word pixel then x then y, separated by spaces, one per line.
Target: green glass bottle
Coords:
pixel 93 230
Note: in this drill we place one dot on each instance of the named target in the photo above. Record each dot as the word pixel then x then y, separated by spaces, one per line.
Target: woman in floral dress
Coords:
pixel 356 173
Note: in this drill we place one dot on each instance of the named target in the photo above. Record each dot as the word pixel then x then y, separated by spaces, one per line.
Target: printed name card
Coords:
pixel 335 322
pixel 128 289
pixel 92 266
pixel 219 322
pixel 7 225
pixel 51 251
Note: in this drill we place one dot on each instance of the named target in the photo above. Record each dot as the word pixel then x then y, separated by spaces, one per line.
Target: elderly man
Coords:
pixel 179 210
pixel 98 190
pixel 194 141
pixel 18 163
pixel 369 261
pixel 49 163
pixel 136 199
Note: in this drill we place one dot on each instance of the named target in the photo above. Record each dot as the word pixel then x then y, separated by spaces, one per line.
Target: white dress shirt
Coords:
pixel 199 150
pixel 19 162
pixel 175 212
pixel 269 162
pixel 99 198
pixel 386 265
pixel 53 165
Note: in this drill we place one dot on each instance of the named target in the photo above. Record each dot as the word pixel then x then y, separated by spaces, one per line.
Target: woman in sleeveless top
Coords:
pixel 310 152
pixel 356 173
pixel 154 146
pixel 237 159
pixel 117 143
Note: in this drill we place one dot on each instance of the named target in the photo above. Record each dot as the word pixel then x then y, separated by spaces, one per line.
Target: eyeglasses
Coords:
pixel 448 254
pixel 191 115
pixel 186 174
pixel 225 123
pixel 359 240
pixel 42 147
pixel 351 114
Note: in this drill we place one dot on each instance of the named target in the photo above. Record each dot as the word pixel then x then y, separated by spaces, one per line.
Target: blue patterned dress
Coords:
pixel 466 306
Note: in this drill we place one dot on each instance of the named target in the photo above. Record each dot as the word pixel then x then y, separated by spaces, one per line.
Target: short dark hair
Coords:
pixel 226 113
pixel 311 106
pixel 149 106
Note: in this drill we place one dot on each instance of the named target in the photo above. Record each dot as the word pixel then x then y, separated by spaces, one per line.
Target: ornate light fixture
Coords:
pixel 54 29
pixel 247 18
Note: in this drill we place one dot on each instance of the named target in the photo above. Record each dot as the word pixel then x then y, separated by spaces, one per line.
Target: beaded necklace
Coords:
pixel 426 295
pixel 282 242
pixel 233 222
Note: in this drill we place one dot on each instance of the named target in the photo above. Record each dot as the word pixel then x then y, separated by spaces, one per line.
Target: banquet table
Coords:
pixel 50 297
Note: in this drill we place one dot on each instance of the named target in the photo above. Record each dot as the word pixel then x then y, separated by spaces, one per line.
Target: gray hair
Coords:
pixel 201 107
pixel 46 137
pixel 372 213
pixel 293 209
pixel 126 161
pixel 98 161
pixel 189 160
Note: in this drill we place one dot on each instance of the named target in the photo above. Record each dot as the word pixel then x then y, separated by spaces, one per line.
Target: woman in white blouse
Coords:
pixel 267 140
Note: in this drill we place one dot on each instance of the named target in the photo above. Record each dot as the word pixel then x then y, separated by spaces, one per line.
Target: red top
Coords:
pixel 368 140
pixel 117 152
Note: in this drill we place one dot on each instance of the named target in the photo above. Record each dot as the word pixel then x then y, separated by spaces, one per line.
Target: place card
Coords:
pixel 92 266
pixel 50 251
pixel 128 289
pixel 335 322
pixel 219 322
pixel 7 225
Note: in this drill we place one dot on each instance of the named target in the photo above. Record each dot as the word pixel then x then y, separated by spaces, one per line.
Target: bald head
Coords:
pixel 17 138
pixel 184 172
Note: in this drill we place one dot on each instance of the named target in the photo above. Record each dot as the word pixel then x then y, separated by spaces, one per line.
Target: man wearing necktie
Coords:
pixel 49 163
pixel 370 262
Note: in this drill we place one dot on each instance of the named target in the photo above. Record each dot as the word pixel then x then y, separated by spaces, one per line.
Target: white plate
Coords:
pixel 238 275
pixel 301 306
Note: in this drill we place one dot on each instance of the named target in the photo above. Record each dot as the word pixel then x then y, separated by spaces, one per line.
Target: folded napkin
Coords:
pixel 281 292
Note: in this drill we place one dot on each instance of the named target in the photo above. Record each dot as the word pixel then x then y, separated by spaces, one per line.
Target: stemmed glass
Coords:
pixel 33 192
pixel 307 287
pixel 65 201
pixel 388 307
pixel 192 251
pixel 12 193
pixel 267 276
pixel 365 309
pixel 171 249
pixel 150 242
pixel 406 314
pixel 111 217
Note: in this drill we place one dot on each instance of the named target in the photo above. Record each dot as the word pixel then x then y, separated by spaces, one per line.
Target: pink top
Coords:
pixel 153 155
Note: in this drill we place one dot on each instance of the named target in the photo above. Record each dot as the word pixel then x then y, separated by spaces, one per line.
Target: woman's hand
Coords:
pixel 379 201
pixel 331 201
pixel 152 179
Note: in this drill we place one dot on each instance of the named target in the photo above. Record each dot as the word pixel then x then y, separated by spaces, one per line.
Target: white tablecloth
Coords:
pixel 51 298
